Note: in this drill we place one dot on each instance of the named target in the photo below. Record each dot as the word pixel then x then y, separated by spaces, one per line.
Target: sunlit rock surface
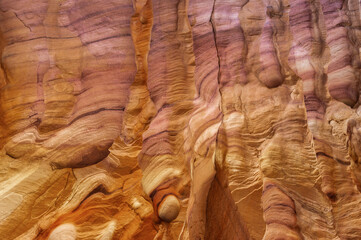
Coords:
pixel 180 119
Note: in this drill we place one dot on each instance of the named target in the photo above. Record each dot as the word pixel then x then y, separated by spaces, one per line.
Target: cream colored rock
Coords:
pixel 169 208
pixel 64 232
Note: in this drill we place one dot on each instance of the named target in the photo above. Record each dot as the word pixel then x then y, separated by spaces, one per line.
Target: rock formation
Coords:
pixel 180 119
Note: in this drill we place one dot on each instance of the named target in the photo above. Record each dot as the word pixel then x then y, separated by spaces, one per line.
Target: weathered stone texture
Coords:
pixel 180 119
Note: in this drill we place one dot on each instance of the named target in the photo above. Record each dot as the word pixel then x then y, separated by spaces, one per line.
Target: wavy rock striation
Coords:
pixel 180 119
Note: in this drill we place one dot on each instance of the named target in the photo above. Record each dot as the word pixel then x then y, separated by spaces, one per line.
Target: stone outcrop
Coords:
pixel 180 119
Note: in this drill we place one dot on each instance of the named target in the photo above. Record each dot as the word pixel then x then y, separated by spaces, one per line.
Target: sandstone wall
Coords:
pixel 241 119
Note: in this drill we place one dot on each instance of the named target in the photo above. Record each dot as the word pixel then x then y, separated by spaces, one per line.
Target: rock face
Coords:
pixel 180 119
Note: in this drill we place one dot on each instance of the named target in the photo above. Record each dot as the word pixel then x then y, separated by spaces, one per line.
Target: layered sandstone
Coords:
pixel 180 119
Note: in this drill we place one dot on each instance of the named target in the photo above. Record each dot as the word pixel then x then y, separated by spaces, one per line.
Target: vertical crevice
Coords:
pixel 213 25
pixel 211 20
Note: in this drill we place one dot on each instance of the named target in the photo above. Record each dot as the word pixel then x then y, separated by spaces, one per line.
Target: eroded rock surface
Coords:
pixel 180 119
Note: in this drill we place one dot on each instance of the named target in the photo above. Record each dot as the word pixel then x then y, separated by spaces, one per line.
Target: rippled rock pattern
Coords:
pixel 180 119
